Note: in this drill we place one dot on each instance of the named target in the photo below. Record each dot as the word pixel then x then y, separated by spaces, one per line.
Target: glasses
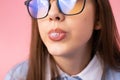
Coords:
pixel 39 8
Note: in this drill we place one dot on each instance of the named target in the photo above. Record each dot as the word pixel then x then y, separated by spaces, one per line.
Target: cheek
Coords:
pixel 85 26
pixel 84 22
pixel 42 29
pixel 82 26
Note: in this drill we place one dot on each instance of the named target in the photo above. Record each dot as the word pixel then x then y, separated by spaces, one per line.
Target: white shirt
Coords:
pixel 93 71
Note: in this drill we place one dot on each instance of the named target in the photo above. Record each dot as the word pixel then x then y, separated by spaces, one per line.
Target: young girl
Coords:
pixel 71 40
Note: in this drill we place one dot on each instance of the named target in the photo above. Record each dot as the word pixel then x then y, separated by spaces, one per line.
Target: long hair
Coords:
pixel 106 41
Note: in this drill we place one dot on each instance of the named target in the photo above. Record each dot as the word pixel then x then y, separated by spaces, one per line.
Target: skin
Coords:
pixel 73 53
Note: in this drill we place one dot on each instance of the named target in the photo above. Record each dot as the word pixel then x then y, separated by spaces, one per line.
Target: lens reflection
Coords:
pixel 38 8
pixel 71 6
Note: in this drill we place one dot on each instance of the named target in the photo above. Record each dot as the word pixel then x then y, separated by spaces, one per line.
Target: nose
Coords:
pixel 54 13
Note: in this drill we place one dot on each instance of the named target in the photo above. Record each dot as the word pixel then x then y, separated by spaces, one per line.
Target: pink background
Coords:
pixel 15 29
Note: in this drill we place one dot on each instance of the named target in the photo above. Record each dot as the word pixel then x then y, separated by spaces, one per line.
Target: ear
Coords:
pixel 97 25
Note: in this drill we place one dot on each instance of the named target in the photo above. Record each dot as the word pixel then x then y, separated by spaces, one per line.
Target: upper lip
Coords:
pixel 57 30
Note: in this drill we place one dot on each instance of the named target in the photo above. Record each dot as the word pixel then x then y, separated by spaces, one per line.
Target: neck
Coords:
pixel 75 63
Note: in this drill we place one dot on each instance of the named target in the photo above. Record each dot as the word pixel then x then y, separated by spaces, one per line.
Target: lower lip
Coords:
pixel 57 36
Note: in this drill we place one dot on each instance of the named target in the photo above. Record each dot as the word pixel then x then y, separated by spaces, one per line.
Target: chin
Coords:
pixel 57 51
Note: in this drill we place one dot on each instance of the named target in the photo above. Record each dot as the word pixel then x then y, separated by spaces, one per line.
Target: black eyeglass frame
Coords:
pixel 28 1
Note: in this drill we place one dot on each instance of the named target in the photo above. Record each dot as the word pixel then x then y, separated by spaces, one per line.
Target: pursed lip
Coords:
pixel 56 34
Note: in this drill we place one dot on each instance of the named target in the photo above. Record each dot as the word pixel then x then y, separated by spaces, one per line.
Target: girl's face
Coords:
pixel 65 35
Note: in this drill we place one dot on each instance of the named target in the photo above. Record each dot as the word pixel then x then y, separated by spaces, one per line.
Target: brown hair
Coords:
pixel 105 40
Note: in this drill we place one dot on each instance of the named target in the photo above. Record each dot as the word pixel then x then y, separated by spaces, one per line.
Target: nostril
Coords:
pixel 50 19
pixel 57 18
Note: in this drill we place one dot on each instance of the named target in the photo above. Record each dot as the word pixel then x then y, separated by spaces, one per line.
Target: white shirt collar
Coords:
pixel 93 71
